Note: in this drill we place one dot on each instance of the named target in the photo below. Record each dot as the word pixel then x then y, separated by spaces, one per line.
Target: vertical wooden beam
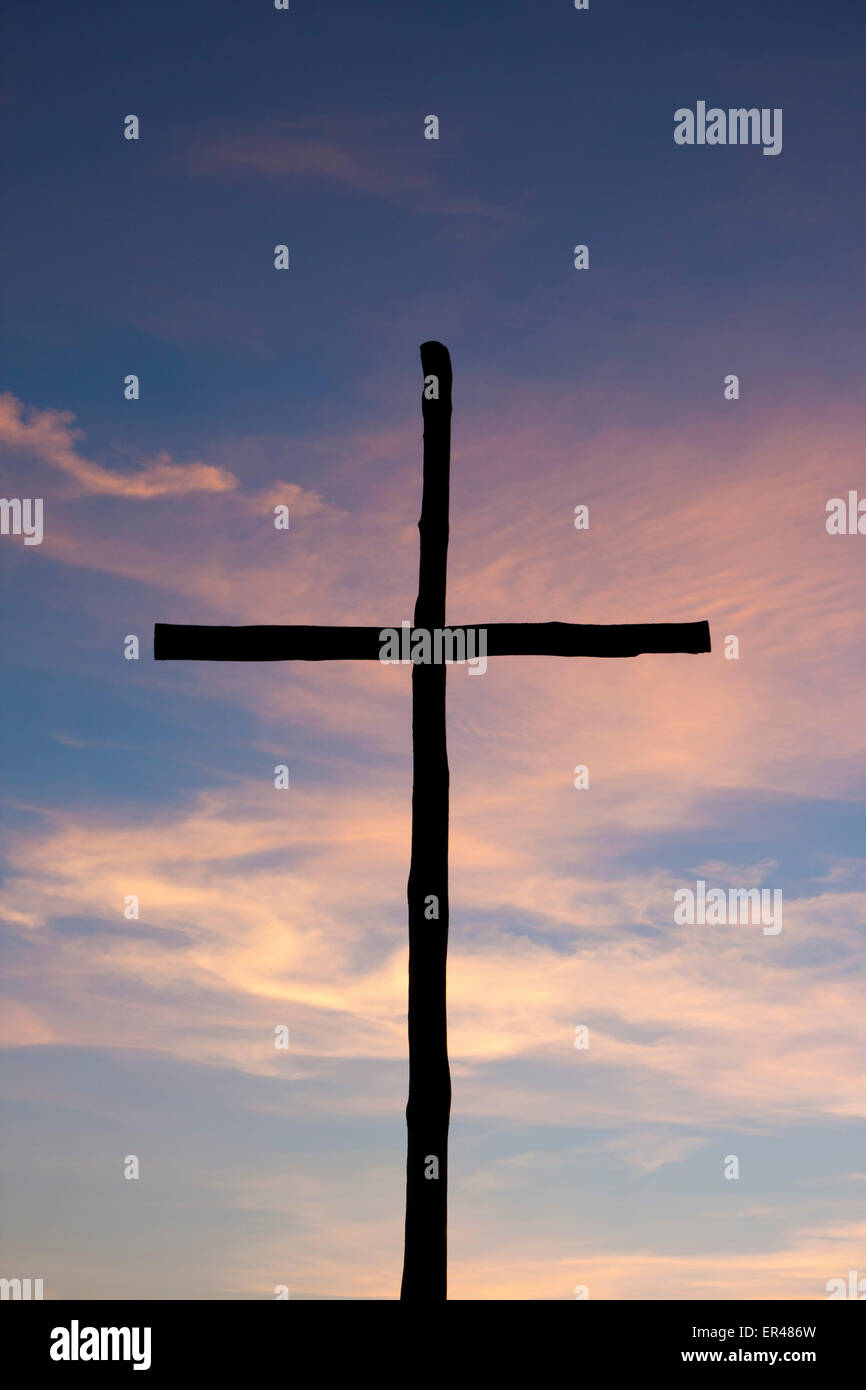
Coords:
pixel 429 1106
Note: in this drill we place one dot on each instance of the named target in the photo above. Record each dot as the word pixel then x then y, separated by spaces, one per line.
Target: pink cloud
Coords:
pixel 51 437
pixel 683 525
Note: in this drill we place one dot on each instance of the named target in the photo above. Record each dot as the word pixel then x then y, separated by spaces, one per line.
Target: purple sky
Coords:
pixel 602 1167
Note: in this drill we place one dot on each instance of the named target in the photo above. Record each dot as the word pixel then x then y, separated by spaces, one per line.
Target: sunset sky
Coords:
pixel 601 1167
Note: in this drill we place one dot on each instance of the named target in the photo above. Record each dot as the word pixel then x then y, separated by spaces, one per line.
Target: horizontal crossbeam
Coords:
pixel 181 642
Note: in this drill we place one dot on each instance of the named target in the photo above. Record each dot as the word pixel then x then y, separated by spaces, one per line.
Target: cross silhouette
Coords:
pixel 429 1104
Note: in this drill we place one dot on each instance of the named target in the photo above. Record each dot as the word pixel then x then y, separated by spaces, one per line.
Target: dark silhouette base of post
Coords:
pixel 429 1107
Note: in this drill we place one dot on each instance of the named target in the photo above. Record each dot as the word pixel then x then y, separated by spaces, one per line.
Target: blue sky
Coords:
pixel 603 387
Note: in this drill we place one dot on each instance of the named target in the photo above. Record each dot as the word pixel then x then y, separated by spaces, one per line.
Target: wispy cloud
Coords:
pixel 52 437
pixel 327 151
pixel 257 911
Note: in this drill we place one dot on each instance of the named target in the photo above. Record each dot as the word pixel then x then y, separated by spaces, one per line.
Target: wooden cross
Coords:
pixel 429 1104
